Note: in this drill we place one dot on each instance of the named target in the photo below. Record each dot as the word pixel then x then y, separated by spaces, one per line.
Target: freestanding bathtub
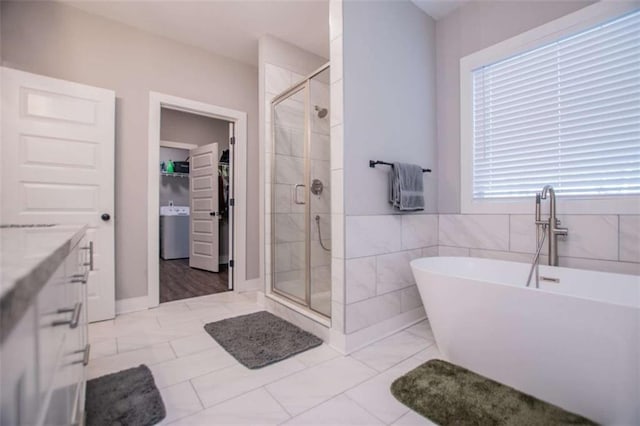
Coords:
pixel 574 343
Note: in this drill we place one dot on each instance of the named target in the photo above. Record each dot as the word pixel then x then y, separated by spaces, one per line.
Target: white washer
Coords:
pixel 174 232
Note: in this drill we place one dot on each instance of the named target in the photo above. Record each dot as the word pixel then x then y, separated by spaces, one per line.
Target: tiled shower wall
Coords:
pixel 289 218
pixel 320 205
pixel 336 113
pixel 381 295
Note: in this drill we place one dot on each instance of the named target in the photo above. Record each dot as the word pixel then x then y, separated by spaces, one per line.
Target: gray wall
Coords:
pixel 60 41
pixel 389 99
pixel 179 126
pixel 475 26
pixel 389 115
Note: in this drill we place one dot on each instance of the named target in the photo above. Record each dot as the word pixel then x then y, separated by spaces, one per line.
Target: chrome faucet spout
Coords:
pixel 548 189
pixel 553 228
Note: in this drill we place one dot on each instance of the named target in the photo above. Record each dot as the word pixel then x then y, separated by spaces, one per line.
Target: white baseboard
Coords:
pixel 349 343
pixel 338 341
pixel 132 304
pixel 255 284
pixel 260 298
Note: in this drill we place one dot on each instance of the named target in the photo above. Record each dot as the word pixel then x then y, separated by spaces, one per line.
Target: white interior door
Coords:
pixel 205 216
pixel 58 166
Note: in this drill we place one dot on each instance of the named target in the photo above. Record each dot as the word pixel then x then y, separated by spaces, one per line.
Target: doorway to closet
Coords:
pixel 194 213
pixel 238 188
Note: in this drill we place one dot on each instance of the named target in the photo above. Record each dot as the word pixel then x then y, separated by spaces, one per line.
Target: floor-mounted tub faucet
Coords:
pixel 553 228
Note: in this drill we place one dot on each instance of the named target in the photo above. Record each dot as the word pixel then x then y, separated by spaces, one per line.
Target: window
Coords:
pixel 565 113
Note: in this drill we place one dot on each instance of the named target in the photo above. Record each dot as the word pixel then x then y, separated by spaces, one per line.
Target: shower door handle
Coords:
pixel 295 194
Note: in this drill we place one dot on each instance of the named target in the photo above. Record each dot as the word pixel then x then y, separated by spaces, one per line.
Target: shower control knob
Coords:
pixel 105 217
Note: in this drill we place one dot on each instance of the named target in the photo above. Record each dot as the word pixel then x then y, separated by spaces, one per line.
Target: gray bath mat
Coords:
pixel 128 397
pixel 260 338
pixel 451 395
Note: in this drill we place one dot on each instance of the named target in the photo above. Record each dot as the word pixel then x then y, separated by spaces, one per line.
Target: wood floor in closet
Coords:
pixel 179 281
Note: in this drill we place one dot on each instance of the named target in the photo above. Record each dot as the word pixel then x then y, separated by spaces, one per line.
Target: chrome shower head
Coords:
pixel 322 112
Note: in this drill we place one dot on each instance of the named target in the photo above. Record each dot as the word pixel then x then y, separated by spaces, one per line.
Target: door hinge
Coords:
pixel 232 140
pixel 231 263
pixel 232 201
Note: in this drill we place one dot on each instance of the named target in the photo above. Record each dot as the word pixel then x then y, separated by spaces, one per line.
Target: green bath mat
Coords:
pixel 451 395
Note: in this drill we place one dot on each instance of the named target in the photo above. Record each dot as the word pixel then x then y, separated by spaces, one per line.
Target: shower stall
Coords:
pixel 301 194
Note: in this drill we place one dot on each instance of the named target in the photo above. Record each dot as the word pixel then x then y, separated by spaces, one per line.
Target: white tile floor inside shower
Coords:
pixel 201 384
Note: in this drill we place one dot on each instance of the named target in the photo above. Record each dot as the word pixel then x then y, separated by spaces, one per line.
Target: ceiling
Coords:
pixel 232 28
pixel 439 8
pixel 227 28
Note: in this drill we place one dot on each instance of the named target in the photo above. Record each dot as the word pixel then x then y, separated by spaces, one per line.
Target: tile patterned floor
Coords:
pixel 203 385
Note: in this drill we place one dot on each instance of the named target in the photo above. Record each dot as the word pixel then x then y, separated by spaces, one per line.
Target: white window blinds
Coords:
pixel 565 114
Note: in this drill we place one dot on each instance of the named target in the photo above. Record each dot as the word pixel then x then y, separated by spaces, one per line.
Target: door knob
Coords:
pixel 212 213
pixel 105 217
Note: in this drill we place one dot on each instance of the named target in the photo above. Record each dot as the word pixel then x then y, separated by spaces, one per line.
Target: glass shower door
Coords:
pixel 320 194
pixel 300 194
pixel 288 223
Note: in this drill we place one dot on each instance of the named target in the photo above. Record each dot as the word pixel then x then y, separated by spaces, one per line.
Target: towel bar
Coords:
pixel 373 163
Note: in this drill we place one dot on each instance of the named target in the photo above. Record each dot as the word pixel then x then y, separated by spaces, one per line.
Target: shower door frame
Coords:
pixel 304 85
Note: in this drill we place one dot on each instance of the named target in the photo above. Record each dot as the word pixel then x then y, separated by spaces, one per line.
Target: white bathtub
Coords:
pixel 575 343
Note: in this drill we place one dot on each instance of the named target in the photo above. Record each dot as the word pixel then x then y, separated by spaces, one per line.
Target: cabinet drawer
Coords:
pixel 42 374
pixel 62 332
pixel 56 406
pixel 18 377
pixel 50 302
pixel 67 389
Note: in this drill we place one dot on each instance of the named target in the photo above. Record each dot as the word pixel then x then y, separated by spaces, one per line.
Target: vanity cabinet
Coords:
pixel 43 357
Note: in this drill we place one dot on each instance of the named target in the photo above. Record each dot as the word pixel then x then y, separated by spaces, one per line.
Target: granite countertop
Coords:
pixel 29 256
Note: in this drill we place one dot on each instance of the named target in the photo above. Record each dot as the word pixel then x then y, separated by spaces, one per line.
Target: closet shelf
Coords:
pixel 175 174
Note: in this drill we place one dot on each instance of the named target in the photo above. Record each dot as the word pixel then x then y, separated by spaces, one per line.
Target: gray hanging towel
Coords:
pixel 405 187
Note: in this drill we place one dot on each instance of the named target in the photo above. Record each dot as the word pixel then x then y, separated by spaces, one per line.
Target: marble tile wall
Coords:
pixel 379 283
pixel 609 243
pixel 336 132
pixel 320 205
pixel 288 219
pixel 287 152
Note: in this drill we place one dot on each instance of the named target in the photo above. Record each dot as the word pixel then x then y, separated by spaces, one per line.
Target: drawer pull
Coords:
pixel 85 355
pixel 80 278
pixel 90 262
pixel 75 317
